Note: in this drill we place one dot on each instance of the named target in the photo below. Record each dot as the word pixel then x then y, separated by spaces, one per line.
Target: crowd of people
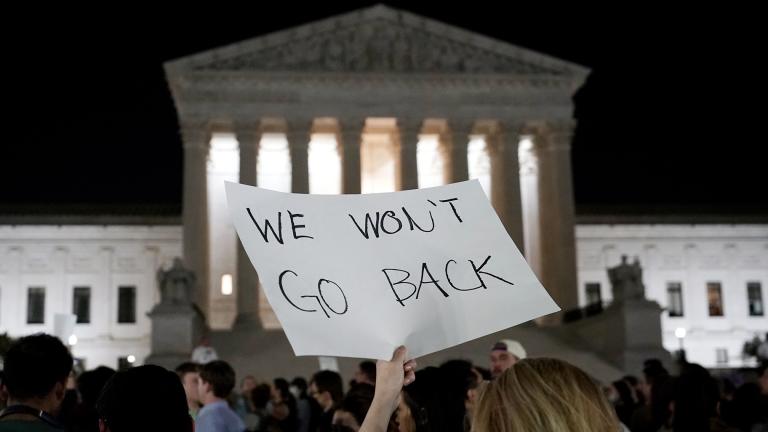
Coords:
pixel 39 392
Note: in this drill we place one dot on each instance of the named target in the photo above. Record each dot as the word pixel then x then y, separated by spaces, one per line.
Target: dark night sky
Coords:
pixel 666 118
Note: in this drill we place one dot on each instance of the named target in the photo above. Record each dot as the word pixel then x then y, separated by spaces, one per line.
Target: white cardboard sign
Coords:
pixel 359 275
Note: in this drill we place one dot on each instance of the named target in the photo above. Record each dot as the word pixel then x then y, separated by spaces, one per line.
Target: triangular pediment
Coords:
pixel 379 39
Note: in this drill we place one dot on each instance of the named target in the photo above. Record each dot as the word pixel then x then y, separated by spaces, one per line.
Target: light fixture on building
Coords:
pixel 226 284
pixel 72 340
pixel 131 359
pixel 680 333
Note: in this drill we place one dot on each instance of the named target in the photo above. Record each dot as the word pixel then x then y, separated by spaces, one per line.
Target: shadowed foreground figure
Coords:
pixel 540 394
pixel 145 398
pixel 35 376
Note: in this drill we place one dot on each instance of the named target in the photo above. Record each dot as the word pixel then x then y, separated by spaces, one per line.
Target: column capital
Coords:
pixel 296 124
pixel 409 130
pixel 348 143
pixel 298 132
pixel 298 139
pixel 456 137
pixel 513 125
pixel 195 133
pixel 506 137
pixel 410 125
pixel 539 125
pixel 552 134
pixel 351 124
pixel 349 134
pixel 247 130
pixel 461 125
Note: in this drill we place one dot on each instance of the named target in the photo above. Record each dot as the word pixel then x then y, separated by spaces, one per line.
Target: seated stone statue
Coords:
pixel 177 284
pixel 627 281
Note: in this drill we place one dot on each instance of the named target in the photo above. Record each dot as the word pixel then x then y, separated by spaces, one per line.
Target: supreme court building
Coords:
pixel 376 100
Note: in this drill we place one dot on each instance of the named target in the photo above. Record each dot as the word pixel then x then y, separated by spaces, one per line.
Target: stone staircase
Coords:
pixel 266 354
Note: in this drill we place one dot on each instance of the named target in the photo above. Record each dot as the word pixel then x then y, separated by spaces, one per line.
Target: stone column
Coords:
pixel 299 134
pixel 248 138
pixel 196 136
pixel 502 148
pixel 408 139
pixel 105 258
pixel 14 259
pixel 552 253
pixel 349 140
pixel 456 142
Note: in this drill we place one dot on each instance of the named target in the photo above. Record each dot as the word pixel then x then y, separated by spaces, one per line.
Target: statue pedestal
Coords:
pixel 626 333
pixel 247 322
pixel 176 330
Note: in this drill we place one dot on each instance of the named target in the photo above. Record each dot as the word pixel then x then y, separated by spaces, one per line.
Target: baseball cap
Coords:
pixel 511 346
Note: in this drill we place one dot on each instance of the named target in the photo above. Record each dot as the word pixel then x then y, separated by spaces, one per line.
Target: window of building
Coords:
pixel 81 304
pixel 593 293
pixel 675 299
pixel 755 298
pixel 126 305
pixel 721 356
pixel 36 305
pixel 715 299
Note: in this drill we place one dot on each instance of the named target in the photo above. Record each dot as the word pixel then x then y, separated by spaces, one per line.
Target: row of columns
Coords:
pixel 552 256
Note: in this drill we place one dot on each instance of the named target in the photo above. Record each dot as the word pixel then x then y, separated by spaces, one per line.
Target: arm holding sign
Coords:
pixel 391 376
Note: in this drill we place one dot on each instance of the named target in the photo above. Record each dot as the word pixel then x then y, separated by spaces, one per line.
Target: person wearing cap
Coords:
pixel 504 354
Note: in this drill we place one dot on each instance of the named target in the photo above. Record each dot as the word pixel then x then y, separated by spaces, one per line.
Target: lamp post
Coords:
pixel 680 333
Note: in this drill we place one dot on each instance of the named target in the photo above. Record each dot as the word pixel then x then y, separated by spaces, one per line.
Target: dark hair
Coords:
pixel 423 397
pixel 746 409
pixel 291 422
pixel 625 406
pixel 761 368
pixel 220 375
pixel 260 395
pixel 91 383
pixel 624 391
pixel 187 367
pixel 633 382
pixel 457 378
pixel 301 384
pixel 146 398
pixel 34 364
pixel 282 387
pixel 653 369
pixel 631 379
pixel 696 397
pixel 329 381
pixel 357 401
pixel 368 368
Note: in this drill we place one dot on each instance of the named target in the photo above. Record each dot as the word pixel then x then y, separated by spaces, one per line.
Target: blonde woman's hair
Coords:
pixel 544 395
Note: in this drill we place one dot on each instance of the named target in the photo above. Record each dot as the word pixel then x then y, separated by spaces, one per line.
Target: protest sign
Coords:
pixel 359 275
